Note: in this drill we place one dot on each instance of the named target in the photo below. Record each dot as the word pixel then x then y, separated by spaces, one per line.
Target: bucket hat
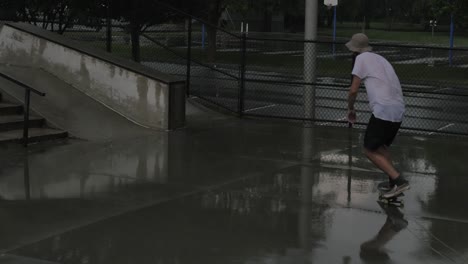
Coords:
pixel 359 43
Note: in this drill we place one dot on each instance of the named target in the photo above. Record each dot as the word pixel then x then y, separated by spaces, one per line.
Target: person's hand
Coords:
pixel 351 116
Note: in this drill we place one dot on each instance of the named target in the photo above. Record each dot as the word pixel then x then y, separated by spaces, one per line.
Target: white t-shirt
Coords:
pixel 382 85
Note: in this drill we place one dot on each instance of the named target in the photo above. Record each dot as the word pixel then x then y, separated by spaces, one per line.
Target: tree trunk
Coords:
pixel 213 18
pixel 267 21
pixel 387 15
pixel 135 37
pixel 367 13
pixel 330 17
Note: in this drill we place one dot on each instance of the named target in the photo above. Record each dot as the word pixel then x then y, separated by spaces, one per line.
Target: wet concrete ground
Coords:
pixel 232 191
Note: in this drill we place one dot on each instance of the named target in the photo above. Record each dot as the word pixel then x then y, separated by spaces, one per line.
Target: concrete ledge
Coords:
pixel 146 97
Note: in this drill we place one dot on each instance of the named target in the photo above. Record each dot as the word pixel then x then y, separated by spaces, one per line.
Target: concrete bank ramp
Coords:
pixel 139 94
pixel 68 108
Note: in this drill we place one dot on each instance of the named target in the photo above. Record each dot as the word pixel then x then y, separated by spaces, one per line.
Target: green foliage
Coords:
pixel 55 14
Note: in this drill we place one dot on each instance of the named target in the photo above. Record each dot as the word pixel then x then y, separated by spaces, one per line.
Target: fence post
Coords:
pixel 189 55
pixel 334 31
pixel 242 74
pixel 452 30
pixel 109 29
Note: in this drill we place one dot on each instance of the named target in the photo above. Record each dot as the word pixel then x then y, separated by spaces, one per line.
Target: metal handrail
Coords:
pixel 27 102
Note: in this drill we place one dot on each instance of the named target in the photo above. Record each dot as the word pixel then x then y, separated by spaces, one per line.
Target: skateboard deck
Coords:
pixel 396 201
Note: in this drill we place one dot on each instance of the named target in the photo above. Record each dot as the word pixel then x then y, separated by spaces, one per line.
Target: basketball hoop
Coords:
pixel 330 3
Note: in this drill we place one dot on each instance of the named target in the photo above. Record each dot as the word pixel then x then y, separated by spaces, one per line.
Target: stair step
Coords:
pixel 12 122
pixel 35 135
pixel 10 109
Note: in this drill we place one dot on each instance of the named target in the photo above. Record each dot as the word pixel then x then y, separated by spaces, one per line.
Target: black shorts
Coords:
pixel 380 133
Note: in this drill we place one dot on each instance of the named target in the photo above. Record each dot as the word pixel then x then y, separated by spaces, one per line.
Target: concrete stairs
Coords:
pixel 12 122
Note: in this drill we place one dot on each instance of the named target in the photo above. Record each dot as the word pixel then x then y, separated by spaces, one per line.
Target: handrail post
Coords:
pixel 27 101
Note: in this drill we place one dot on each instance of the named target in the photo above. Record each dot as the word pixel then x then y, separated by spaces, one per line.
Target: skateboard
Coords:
pixel 395 201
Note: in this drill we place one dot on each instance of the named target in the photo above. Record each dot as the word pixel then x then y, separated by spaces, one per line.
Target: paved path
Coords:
pixel 232 191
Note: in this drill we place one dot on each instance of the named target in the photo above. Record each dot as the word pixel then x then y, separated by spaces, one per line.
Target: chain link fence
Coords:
pixel 216 61
pixel 251 74
pixel 433 79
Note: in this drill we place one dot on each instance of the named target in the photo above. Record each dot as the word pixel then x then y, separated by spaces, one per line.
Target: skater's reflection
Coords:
pixel 27 183
pixel 373 251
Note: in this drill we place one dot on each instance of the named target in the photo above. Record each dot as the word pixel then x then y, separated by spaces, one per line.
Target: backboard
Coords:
pixel 330 2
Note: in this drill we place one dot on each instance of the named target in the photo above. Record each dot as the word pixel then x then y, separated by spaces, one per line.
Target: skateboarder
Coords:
pixel 386 102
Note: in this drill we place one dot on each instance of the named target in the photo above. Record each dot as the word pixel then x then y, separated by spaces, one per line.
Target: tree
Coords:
pixel 267 8
pixel 367 12
pixel 294 15
pixel 140 15
pixel 56 15
pixel 9 10
pixel 445 8
pixel 461 14
pixel 210 11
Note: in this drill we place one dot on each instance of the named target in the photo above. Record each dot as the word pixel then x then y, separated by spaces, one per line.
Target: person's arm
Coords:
pixel 353 92
pixel 352 95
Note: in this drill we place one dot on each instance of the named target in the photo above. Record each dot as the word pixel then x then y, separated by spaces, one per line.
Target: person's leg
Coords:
pixel 375 148
pixel 382 161
pixel 400 184
pixel 379 135
pixel 385 152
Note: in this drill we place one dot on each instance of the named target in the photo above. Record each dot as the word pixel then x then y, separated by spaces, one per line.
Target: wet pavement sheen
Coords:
pixel 232 191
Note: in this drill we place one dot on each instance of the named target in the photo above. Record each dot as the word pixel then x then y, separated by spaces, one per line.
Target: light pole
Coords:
pixel 310 58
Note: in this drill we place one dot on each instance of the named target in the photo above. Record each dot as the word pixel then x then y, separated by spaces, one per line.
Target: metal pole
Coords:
pixel 26 117
pixel 308 137
pixel 203 36
pixel 433 24
pixel 109 29
pixel 334 30
pixel 350 162
pixel 189 55
pixel 452 31
pixel 242 75
pixel 310 56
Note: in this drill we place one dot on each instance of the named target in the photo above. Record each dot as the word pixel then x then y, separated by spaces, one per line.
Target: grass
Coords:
pixel 293 65
pixel 344 32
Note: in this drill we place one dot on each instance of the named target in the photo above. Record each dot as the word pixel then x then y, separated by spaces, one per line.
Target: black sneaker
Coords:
pixel 385 186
